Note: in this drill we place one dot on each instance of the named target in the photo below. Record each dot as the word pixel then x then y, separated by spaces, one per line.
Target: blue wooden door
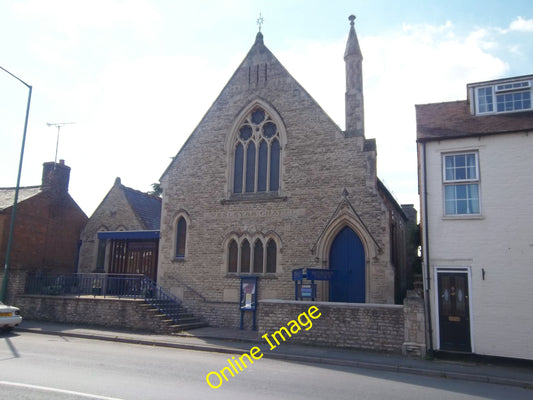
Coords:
pixel 347 260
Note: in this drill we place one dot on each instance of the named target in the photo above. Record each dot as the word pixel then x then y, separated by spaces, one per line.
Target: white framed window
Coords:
pixel 504 97
pixel 461 183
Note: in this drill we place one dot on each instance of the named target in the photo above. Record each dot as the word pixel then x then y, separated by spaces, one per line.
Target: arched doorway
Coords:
pixel 347 260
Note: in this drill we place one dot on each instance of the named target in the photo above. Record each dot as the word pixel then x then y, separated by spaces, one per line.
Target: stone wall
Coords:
pixel 415 328
pixel 105 312
pixel 377 327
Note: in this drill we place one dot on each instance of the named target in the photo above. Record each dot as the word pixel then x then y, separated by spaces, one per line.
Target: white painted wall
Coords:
pixel 500 241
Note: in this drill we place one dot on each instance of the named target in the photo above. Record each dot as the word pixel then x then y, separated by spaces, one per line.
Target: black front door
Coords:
pixel 454 313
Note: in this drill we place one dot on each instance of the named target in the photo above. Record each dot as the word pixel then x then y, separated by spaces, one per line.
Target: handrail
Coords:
pixel 106 285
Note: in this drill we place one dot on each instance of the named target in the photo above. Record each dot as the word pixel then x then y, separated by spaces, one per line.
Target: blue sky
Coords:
pixel 137 76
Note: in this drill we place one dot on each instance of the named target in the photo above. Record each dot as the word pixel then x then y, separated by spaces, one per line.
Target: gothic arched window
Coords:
pixel 245 256
pixel 181 237
pixel 271 256
pixel 233 256
pixel 259 256
pixel 256 154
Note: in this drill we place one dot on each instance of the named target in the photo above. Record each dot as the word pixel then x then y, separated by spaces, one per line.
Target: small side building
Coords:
pixel 122 235
pixel 47 228
pixel 476 194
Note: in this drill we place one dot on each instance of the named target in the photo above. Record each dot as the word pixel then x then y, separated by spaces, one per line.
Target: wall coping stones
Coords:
pixel 333 304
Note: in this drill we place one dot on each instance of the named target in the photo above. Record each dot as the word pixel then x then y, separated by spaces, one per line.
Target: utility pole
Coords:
pixel 3 293
pixel 58 125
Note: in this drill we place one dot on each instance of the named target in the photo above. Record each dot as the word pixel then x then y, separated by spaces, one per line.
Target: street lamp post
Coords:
pixel 3 293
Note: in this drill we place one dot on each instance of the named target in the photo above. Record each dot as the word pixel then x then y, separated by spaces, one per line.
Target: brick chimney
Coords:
pixel 56 176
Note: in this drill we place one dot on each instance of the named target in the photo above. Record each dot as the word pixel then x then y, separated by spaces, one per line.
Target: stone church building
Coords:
pixel 268 183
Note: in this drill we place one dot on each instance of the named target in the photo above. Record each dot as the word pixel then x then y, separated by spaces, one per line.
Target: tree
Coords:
pixel 156 190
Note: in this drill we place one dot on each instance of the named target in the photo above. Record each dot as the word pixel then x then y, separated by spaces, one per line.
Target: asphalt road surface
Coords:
pixel 34 366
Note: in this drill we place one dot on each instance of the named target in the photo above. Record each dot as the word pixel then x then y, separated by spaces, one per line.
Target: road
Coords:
pixel 34 366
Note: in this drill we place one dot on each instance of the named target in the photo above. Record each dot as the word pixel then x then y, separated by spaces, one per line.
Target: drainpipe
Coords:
pixel 78 256
pixel 427 285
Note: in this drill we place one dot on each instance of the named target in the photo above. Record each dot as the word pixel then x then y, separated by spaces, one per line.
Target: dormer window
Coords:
pixel 502 97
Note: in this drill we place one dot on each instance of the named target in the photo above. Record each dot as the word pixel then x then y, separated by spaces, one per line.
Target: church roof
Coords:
pixel 146 207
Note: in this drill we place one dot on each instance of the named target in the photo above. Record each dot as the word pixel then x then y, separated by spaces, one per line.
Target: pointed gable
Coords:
pixel 258 76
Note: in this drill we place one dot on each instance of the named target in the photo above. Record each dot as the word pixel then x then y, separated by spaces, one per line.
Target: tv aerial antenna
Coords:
pixel 58 125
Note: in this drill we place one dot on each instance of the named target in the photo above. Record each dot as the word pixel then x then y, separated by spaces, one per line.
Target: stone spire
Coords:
pixel 354 84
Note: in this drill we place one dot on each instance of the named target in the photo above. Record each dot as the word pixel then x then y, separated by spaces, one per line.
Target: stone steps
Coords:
pixel 185 321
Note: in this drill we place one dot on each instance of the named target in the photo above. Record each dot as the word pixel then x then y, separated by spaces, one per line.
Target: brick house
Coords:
pixel 476 194
pixel 122 235
pixel 268 183
pixel 47 227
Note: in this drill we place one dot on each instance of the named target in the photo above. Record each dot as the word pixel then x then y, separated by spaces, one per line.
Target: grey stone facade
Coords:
pixel 327 181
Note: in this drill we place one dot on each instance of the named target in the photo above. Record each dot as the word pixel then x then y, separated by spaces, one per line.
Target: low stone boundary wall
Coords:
pixel 106 312
pixel 376 327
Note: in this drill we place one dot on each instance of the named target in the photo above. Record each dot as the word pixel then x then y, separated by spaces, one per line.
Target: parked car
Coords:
pixel 9 317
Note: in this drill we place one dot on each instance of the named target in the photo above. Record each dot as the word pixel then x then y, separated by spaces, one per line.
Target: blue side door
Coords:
pixel 347 260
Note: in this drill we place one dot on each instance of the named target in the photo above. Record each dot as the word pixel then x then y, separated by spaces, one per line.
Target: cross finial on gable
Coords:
pixel 352 19
pixel 260 21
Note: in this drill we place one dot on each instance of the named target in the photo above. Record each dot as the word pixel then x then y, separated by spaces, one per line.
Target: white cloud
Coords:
pixel 522 25
pixel 65 25
pixel 68 15
pixel 420 64
pixel 141 112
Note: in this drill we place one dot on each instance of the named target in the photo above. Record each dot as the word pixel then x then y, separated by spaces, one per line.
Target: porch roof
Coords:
pixel 129 235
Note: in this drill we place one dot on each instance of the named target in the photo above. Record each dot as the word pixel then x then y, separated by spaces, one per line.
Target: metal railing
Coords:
pixel 106 285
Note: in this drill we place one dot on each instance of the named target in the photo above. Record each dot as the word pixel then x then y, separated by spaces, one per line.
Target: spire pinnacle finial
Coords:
pixel 260 21
pixel 352 19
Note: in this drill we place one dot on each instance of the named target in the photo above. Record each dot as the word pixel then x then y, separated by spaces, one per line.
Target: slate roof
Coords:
pixel 145 206
pixel 7 195
pixel 451 120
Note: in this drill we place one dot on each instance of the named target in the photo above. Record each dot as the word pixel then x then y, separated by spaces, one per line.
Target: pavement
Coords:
pixel 234 341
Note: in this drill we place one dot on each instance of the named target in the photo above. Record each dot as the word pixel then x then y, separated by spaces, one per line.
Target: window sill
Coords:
pixel 463 217
pixel 266 275
pixel 178 259
pixel 254 198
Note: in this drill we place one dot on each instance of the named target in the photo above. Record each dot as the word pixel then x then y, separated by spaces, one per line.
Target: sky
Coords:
pixel 132 79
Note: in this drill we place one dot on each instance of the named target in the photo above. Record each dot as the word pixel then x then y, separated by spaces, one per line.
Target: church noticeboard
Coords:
pixel 248 293
pixel 248 300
